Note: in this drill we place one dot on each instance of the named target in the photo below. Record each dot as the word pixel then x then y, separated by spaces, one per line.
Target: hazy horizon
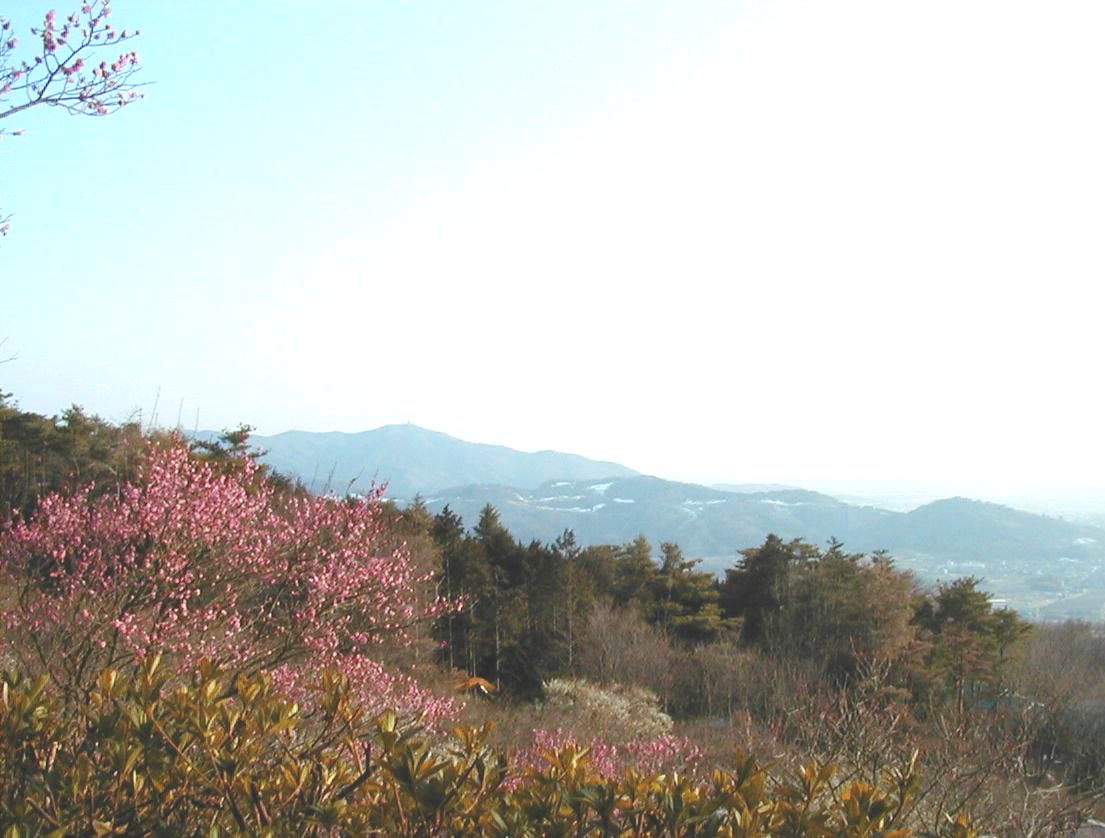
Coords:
pixel 1082 502
pixel 1056 498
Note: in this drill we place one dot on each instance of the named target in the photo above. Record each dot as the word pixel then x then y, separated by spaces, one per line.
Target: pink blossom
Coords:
pixel 662 754
pixel 196 563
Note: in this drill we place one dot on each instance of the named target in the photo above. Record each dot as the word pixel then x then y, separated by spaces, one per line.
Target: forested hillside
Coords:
pixel 173 608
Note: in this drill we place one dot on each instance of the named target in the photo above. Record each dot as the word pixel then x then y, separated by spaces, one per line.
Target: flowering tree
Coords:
pixel 78 65
pixel 195 561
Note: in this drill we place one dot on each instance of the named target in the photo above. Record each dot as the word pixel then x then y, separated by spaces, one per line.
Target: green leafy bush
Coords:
pixel 224 755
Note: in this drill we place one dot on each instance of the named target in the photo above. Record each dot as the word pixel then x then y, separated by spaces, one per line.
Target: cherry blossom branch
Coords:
pixel 79 67
pixel 65 74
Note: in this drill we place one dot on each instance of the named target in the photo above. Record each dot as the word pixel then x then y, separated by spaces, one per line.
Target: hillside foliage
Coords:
pixel 192 640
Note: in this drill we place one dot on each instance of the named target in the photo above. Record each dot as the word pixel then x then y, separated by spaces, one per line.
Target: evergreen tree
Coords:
pixel 969 638
pixel 634 574
pixel 568 552
pixel 755 590
pixel 464 576
pixel 502 610
pixel 686 600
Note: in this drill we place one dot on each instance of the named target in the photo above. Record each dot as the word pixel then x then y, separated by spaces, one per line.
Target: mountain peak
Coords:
pixel 411 459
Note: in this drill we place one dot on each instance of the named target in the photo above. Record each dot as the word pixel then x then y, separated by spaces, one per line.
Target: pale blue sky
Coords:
pixel 794 241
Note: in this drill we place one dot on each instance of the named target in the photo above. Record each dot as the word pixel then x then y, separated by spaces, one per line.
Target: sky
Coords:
pixel 801 242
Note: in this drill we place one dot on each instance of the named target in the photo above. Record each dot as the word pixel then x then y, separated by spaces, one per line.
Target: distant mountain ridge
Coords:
pixel 704 522
pixel 413 460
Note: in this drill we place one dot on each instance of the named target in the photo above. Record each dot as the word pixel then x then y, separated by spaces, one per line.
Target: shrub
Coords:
pixel 230 755
pixel 202 563
pixel 628 712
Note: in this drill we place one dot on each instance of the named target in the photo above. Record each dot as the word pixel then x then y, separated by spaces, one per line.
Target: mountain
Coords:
pixel 414 460
pixel 964 530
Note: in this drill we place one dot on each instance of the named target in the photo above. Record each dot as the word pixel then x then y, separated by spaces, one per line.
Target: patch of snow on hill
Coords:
pixel 594 508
